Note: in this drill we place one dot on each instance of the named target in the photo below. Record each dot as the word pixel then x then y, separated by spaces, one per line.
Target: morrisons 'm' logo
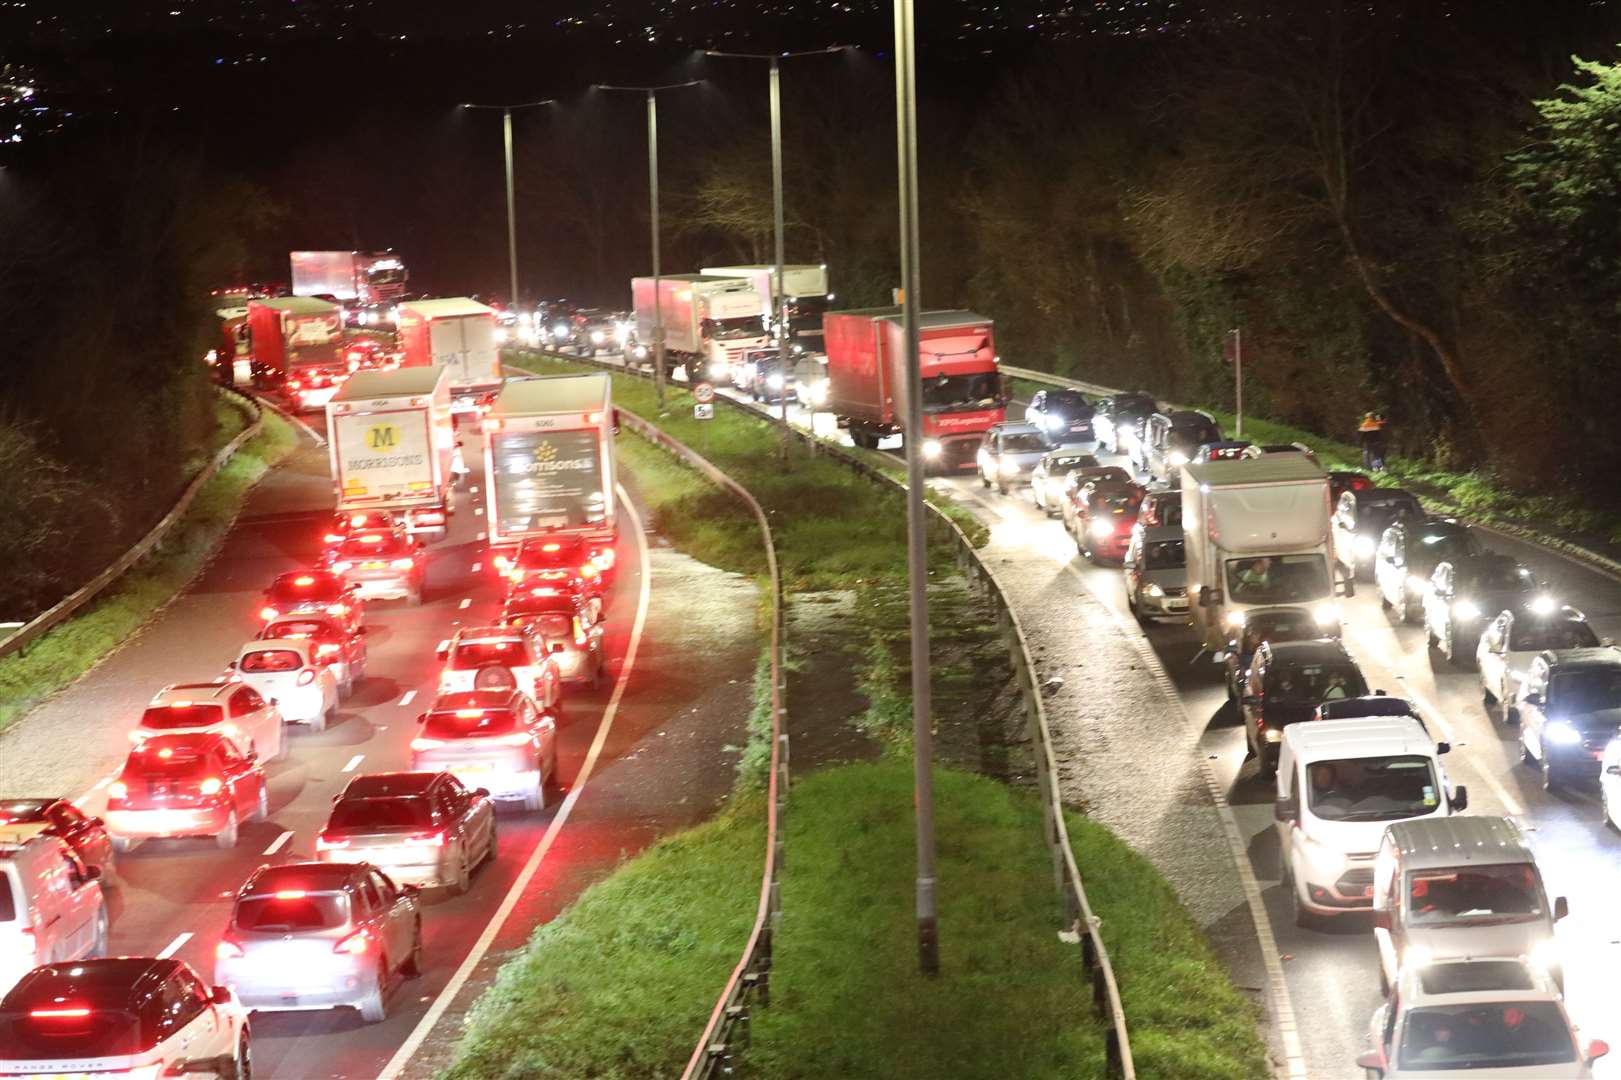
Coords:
pixel 381 437
pixel 545 452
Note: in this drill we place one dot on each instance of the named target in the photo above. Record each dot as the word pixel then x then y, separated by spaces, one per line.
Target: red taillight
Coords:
pixel 117 789
pixel 327 649
pixel 500 562
pixel 340 567
pixel 338 609
pixel 355 944
pixel 323 842
pixel 603 559
pixel 268 613
pixel 64 1012
pixel 402 564
pixel 433 839
pixel 334 538
pixel 426 744
pixel 228 950
pixel 306 676
pixel 588 571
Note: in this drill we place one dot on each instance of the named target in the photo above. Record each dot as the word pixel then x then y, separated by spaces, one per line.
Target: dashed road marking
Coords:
pixel 478 511
pixel 467 602
pixel 175 946
pixel 278 843
pixel 406 700
pixel 475 568
pixel 353 763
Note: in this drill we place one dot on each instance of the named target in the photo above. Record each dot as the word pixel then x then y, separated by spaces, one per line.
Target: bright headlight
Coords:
pixel 500 334
pixel 598 337
pixel 1416 583
pixel 1326 614
pixel 931 447
pixel 1055 423
pixel 1543 605
pixel 774 381
pixel 817 392
pixel 1100 528
pixel 1178 459
pixel 1273 734
pixel 1561 734
pixel 1363 546
pixel 1154 590
pixel 1235 619
pixel 641 352
pixel 1545 954
pixel 560 330
pixel 1466 609
pixel 1008 468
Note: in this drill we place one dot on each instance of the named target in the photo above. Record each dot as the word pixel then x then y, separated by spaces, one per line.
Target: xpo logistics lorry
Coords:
pixel 962 384
pixel 710 323
pixel 458 334
pixel 1257 536
pixel 297 344
pixel 805 285
pixel 391 441
pixel 368 283
pixel 549 464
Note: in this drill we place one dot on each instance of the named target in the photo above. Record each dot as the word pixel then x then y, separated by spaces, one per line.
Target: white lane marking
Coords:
pixel 479 536
pixel 418 1034
pixel 467 602
pixel 478 511
pixel 409 695
pixel 473 490
pixel 291 418
pixel 474 570
pixel 278 843
pixel 175 946
pixel 103 782
pixel 353 763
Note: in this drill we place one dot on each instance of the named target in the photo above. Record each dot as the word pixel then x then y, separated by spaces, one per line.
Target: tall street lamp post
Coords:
pixel 512 209
pixel 653 197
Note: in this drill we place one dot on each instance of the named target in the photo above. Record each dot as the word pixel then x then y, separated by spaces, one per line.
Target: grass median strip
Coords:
pixel 71 649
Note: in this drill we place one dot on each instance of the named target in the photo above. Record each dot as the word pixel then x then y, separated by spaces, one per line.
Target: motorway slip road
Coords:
pixel 663 757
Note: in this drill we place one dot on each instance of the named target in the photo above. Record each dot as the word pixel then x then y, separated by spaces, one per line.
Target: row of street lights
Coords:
pixel 916 535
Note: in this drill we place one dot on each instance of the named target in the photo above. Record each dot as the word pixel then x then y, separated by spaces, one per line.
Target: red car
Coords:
pixel 567 563
pixel 185 785
pixel 301 592
pixel 87 836
pixel 1104 513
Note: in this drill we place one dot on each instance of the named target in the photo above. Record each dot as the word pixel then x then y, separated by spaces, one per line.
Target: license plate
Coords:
pixel 475 767
pixel 372 565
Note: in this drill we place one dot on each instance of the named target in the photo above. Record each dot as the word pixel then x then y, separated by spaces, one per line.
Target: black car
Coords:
pixel 1361 518
pixel 772 381
pixel 1465 594
pixel 1286 683
pixel 1064 416
pixel 1570 709
pixel 1119 413
pixel 1408 554
pixel 1265 624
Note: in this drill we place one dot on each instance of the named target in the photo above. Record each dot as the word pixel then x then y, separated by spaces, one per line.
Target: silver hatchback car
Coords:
pixel 420 828
pixel 320 936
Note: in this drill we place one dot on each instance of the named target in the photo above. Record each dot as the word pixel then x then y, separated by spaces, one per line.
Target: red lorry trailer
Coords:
pixel 962 385
pixel 298 348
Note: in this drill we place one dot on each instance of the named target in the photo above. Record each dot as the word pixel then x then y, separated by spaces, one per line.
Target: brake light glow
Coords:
pixel 165 753
pixel 370 538
pixel 433 839
pixel 588 571
pixel 355 944
pixel 469 714
pixel 213 785
pixel 326 843
pixel 551 547
pixel 603 559
pixel 306 677
pixel 290 894
pixel 64 1013
pixel 305 580
pixel 402 564
pixel 333 538
pixel 337 609
pixel 431 517
pixel 326 650
pixel 501 562
pixel 117 789
pixel 340 567
pixel 426 744
pixel 268 613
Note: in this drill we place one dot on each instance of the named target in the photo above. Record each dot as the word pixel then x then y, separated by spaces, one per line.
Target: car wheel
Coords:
pixel 598 675
pixel 984 480
pixel 412 968
pixel 261 812
pixel 1551 780
pixel 1384 602
pixel 373 1008
pixel 242 1062
pixel 1269 765
pixel 225 839
pixel 1001 488
pixel 415 597
pixel 99 946
pixel 123 844
pixel 458 884
pixel 536 799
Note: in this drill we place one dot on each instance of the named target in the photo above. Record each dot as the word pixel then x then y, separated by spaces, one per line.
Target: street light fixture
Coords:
pixel 653 196
pixel 776 206
pixel 512 213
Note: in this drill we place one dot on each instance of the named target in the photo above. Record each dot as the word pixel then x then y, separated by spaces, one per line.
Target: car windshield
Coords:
pixel 1312 684
pixel 1163 555
pixel 1023 443
pixel 1115 502
pixel 1277 579
pixel 1485 1036
pixel 469 723
pixel 1061 466
pixel 549 624
pixel 1592 690
pixel 70 1035
pixel 362 815
pixel 153 759
pixel 472 655
pixel 1069 404
pixel 263 661
pixel 1133 406
pixel 1494 576
pixel 957 393
pixel 292 910
pixel 1507 893
pixel 1372 789
pixel 741 327
pixel 159 717
pixel 1534 635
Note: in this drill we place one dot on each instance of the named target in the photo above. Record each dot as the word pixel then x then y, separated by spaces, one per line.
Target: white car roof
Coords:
pixel 298 645
pixel 217 690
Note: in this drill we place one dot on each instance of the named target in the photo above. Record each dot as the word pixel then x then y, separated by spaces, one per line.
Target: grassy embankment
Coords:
pixel 621 983
pixel 74 647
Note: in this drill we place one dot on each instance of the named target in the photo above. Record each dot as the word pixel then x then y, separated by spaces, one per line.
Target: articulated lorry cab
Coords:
pixel 710 323
pixel 963 394
pixel 368 283
pixel 549 461
pixel 1256 536
pixel 391 441
pixel 297 346
pixel 804 286
pixel 456 333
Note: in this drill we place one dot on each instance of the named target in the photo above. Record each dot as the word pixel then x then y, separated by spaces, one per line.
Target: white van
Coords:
pixel 1447 888
pixel 1341 783
pixel 51 906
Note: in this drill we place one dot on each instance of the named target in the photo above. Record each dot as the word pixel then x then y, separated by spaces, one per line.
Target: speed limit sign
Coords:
pixel 703 393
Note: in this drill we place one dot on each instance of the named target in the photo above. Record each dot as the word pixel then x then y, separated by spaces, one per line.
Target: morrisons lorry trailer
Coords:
pixel 709 322
pixel 391 441
pixel 805 286
pixel 962 386
pixel 1256 537
pixel 549 462
pixel 459 334
pixel 297 346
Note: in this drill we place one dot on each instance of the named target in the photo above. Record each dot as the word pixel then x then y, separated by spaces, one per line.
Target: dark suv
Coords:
pixel 1117 414
pixel 1286 683
pixel 1361 518
pixel 1408 554
pixel 1570 709
pixel 1064 416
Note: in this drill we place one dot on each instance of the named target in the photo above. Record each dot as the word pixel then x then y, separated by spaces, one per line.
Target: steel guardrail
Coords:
pixel 53 616
pixel 1081 920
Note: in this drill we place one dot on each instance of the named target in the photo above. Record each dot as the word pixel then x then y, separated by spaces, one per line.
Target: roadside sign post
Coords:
pixel 703 393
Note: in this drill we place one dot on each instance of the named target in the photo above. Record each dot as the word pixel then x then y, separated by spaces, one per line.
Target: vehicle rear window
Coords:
pixel 1163 555
pixel 1312 684
pixel 1592 690
pixel 1485 1036
pixel 549 624
pixel 292 628
pixel 469 723
pixel 96 1033
pixel 1115 502
pixel 365 814
pixel 472 655
pixel 318 589
pixel 159 717
pixel 373 546
pixel 148 760
pixel 1023 443
pixel 292 910
pixel 269 660
pixel 8 899
pixel 1063 465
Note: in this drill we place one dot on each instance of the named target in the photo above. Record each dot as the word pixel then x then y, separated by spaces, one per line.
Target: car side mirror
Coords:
pixel 557 647
pixel 422 718
pixel 1460 798
pixel 1561 908
pixel 1381 918
pixel 1251 699
pixel 220 995
pixel 1286 808
pixel 230 665
pixel 363 629
pixel 483 792
pixel 1442 747
pixel 336 797
pixel 1372 1062
pixel 1596 1049
pixel 1613 770
pixel 273 702
pixel 1208 596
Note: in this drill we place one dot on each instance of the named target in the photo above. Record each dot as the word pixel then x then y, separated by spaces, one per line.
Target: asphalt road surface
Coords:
pixel 658 740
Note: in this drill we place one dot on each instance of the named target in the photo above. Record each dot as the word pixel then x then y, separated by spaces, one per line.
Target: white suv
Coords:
pixel 51 906
pixel 230 707
pixel 477 657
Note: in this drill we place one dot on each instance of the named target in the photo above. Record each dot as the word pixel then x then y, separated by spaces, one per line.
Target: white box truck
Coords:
pixel 457 333
pixel 390 438
pixel 709 322
pixel 804 286
pixel 549 459
pixel 1257 536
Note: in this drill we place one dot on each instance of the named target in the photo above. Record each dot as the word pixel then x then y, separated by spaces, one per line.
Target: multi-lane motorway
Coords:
pixel 649 753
